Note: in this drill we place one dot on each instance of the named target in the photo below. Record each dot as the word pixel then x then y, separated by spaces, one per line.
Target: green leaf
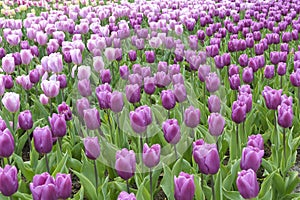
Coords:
pixel 61 165
pixel 80 194
pixel 278 183
pixel 232 195
pixel 143 193
pixel 24 167
pixel 292 182
pixel 167 183
pixel 199 194
pixel 89 189
pixel 181 165
pixel 266 185
pixel 22 196
pixel 230 179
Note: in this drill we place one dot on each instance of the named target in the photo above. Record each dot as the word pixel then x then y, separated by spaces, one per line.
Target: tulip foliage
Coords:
pixel 149 99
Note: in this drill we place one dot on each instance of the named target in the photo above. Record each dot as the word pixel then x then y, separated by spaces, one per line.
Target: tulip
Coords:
pixel 269 71
pixel 81 105
pixel 256 141
pixel 8 180
pixel 116 102
pixel 216 124
pixel 105 76
pixel 162 79
pixel 245 89
pixel 247 184
pixel 135 79
pixel 149 85
pixel 177 79
pixel 191 117
pixel 44 99
pixel 58 125
pixel 239 109
pixel 168 99
pixel 7 143
pixel 8 64
pixel 84 72
pixel 214 104
pixel 203 72
pixel 63 184
pixel 151 155
pixel 84 87
pixel 285 116
pixel 295 78
pixel 212 82
pixel 150 56
pixel 91 118
pixel 243 60
pixel 171 131
pixel 76 56
pixel 247 99
pixel 132 55
pixel 281 69
pixel 25 120
pixel 140 118
pixel 251 158
pixel 65 110
pixel 42 139
pixel 34 76
pixel 124 72
pixel 92 147
pixel 162 67
pixel 133 93
pixel 125 163
pixel 234 81
pixel 275 58
pixel 125 196
pixel 50 88
pixel 180 92
pixel 43 187
pixel 104 98
pixel 272 97
pixel 184 186
pixel 11 101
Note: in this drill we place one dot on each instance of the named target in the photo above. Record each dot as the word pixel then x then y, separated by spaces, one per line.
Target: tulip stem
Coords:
pixel 29 141
pixel 96 174
pixel 119 131
pixel 8 161
pixel 10 198
pixel 47 163
pixel 213 188
pixel 275 124
pixel 202 180
pixel 176 154
pixel 151 184
pixel 217 142
pixel 299 97
pixel 2 162
pixel 284 146
pixel 281 82
pixel 128 189
pixel 237 138
pixel 50 101
pixel 169 114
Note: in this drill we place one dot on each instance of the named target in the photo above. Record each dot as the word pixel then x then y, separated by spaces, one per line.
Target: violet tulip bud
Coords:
pixel 162 79
pixel 269 71
pixel 105 76
pixel 25 120
pixel 84 87
pixel 239 110
pixel 8 81
pixel 8 180
pixel 84 72
pixel 151 155
pixel 233 69
pixel 243 60
pixel 50 88
pixel 180 92
pixel 192 117
pixel 212 82
pixel 63 184
pixel 81 105
pixel 251 158
pixel 171 131
pixel 91 118
pixel 149 85
pixel 216 124
pixel 207 157
pixel 7 143
pixel 281 69
pixel 132 55
pixel 285 116
pixel 124 72
pixel 203 72
pixel 168 99
pixel 256 141
pixel 275 58
pixel 295 78
pixel 65 110
pixel 184 187
pixel 44 99
pixel 272 97
pixel 150 56
pixel 104 98
pixel 248 75
pixel 26 56
pixel 43 187
pixel 62 78
pixel 92 147
pixel 34 76
pixel 214 104
pixel 11 101
pixel 76 56
pixel 58 125
pixel 247 184
pixel 133 93
pixel 247 99
pixel 234 81
pixel 42 139
pixel 125 163
pixel 8 64
pixel 116 101
pixel 125 196
pixel 140 118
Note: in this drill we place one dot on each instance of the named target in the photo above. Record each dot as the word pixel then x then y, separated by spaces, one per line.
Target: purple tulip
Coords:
pixel 219 62
pixel 212 82
pixel 8 180
pixel 247 184
pixel 239 109
pixel 34 76
pixel 8 64
pixel 91 118
pixel 125 196
pixel 295 78
pixel 247 99
pixel 132 55
pixel 11 101
pixel 214 104
pixel 256 141
pixel 151 155
pixel 105 76
pixel 171 131
pixel 76 56
pixel 251 158
pixel 84 87
pixel 272 97
pixel 50 88
pixel 184 187
pixel 133 93
pixel 233 69
pixel 81 105
pixel 43 187
pixel 269 71
pixel 92 147
pixel 216 124
pixel 140 118
pixel 203 72
pixel 192 117
pixel 84 72
pixel 150 56
pixel 207 157
pixel 180 92
pixel 7 143
pixel 168 99
pixel 234 81
pixel 125 163
pixel 25 120
pixel 285 115
pixel 149 85
pixel 65 110
pixel 42 139
pixel 243 60
pixel 124 72
pixel 58 125
pixel 63 184
pixel 275 57
pixel 162 79
pixel 248 75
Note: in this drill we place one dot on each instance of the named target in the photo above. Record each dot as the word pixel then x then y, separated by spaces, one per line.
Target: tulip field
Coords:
pixel 149 99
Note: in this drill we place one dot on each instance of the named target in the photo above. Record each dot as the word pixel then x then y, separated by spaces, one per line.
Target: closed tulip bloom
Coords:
pixel 65 110
pixel 214 104
pixel 43 187
pixel 168 99
pixel 256 141
pixel 42 139
pixel 234 81
pixel 41 38
pixel 184 187
pixel 34 76
pixel 272 97
pixel 124 72
pixel 84 87
pixel 44 99
pixel 50 88
pixel 7 143
pixel 171 131
pixel 11 101
pixel 125 163
pixel 284 47
pixel 26 56
pixel 92 147
pixel 226 59
pixel 180 92
pixel 243 60
pixel 105 76
pixel 212 50
pixel 125 196
pixel 2 52
pixel 84 72
pixel 295 78
pixel 132 55
pixel 239 110
pixel 63 184
pixel 251 158
pixel 140 118
pixel 76 56
pixel 212 82
pixel 269 71
pixel 25 120
pixel 150 56
pixel 162 79
pixel 58 125
pixel 149 85
pixel 285 116
pixel 275 58
pixel 135 79
pixel 219 62
pixel 233 69
pixel 8 64
pixel 151 155
pixel 133 93
pixel 216 124
pixel 62 78
pixel 116 101
pixel 245 89
pixel 191 117
pixel 177 79
pixel 91 118
pixel 247 99
pixel 81 105
pixel 248 75
pixel 207 158
pixel 8 180
pixel 247 184
pixel 203 72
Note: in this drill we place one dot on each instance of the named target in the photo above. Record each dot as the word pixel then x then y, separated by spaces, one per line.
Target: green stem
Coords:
pixel 284 145
pixel 50 101
pixel 298 97
pixel 29 141
pixel 213 187
pixel 169 114
pixel 176 154
pixel 151 190
pixel 96 174
pixel 47 163
pixel 202 181
pixel 128 189
pixel 237 139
